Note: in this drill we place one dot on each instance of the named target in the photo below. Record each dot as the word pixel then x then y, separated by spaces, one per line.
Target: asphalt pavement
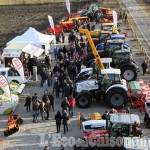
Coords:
pixel 140 18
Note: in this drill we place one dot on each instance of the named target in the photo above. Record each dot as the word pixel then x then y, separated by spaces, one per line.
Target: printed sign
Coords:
pixel 68 5
pixel 18 66
pixel 4 85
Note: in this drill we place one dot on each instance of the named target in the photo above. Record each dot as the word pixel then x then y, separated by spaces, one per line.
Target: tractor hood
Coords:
pixel 87 85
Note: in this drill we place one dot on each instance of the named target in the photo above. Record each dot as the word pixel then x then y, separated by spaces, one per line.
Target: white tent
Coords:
pixel 34 37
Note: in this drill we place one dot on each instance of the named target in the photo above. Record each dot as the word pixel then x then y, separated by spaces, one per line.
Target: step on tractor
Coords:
pixel 98 134
pixel 13 124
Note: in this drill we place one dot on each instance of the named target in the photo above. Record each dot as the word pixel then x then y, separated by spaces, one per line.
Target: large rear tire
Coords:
pixel 129 73
pixel 83 100
pixel 117 98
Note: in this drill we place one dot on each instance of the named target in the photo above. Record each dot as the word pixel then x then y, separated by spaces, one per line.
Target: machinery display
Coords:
pixel 121 58
pixel 107 86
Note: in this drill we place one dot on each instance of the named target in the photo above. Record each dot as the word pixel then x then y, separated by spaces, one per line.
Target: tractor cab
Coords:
pixel 124 125
pixel 115 44
pixel 109 27
pixel 109 77
pixel 121 56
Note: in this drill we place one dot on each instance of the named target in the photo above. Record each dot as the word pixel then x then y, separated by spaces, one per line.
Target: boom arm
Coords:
pixel 94 51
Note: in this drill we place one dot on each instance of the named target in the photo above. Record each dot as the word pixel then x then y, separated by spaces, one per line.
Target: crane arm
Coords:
pixel 94 51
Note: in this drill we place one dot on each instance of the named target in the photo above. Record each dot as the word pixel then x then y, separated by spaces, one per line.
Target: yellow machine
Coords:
pixel 94 51
pixel 109 27
pixel 95 33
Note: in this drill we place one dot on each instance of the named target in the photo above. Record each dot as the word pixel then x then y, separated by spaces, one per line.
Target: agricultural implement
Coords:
pixel 13 124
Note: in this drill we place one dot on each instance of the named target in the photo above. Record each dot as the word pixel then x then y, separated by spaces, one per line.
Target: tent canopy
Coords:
pixel 34 37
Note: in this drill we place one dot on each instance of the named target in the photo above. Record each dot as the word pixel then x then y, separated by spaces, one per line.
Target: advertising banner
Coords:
pixel 4 85
pixel 51 22
pixel 68 6
pixel 18 66
pixel 115 19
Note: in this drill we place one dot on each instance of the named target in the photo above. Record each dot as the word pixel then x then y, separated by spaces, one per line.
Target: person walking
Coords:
pixel 45 85
pixel 35 109
pixel 65 105
pixel 144 67
pixel 51 98
pixel 47 107
pixel 72 103
pixel 65 119
pixel 56 88
pixel 58 119
pixel 28 102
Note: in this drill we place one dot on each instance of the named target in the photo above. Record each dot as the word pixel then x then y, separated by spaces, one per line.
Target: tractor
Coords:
pixel 121 59
pixel 107 87
pixel 99 134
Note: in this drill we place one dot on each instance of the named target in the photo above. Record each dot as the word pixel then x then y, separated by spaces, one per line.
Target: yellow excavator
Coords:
pixel 94 51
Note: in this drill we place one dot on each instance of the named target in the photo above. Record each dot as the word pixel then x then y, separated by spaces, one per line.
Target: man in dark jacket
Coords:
pixel 65 105
pixel 65 121
pixel 28 102
pixel 144 67
pixel 58 119
pixel 44 98
pixel 51 98
pixel 47 61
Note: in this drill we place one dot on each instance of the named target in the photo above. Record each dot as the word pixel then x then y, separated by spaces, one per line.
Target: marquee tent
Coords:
pixel 34 37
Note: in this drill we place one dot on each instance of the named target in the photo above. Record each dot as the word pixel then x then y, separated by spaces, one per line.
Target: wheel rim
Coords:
pixel 128 75
pixel 117 100
pixel 83 101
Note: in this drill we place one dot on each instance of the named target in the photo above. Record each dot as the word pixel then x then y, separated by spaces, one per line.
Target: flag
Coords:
pixel 115 19
pixel 18 66
pixel 68 5
pixel 4 85
pixel 51 22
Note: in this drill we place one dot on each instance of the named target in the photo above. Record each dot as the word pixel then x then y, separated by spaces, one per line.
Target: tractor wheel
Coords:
pixel 116 98
pixel 129 73
pixel 83 100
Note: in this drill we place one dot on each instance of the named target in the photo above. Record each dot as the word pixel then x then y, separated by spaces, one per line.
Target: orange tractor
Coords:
pixel 13 124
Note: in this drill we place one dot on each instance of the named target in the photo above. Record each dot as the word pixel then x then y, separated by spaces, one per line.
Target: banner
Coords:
pixel 51 22
pixel 4 85
pixel 115 19
pixel 18 66
pixel 68 5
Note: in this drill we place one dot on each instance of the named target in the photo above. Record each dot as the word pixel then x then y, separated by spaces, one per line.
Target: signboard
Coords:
pixel 4 85
pixel 115 19
pixel 68 6
pixel 33 50
pixel 18 66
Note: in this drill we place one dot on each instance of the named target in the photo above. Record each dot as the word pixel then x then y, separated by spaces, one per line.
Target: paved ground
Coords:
pixel 33 136
pixel 140 18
